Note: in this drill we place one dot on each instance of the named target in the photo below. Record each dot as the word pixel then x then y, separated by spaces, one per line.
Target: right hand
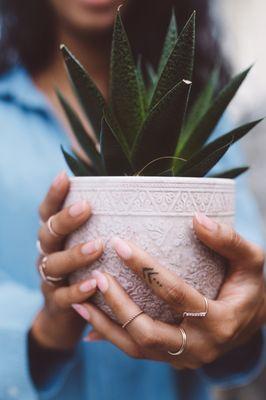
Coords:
pixel 58 326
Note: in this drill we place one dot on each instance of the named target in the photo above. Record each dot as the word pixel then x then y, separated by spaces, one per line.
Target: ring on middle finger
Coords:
pixel 201 314
pixel 51 280
pixel 51 229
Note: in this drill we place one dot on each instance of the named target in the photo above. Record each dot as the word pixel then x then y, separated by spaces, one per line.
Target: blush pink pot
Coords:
pixel 156 213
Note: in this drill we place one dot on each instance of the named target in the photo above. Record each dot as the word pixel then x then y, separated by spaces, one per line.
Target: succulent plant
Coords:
pixel 148 126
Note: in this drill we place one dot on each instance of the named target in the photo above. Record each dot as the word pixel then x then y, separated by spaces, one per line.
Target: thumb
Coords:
pixel 225 241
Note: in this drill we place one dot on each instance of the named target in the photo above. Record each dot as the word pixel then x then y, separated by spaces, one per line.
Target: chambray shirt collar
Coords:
pixel 16 85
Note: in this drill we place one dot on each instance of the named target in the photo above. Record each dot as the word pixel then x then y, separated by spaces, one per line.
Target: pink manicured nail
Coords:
pixel 87 286
pixel 122 248
pixel 82 311
pixel 91 247
pixel 102 281
pixel 78 208
pixel 205 221
pixel 58 180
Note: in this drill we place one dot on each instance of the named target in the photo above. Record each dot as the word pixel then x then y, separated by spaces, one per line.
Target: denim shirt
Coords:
pixel 30 157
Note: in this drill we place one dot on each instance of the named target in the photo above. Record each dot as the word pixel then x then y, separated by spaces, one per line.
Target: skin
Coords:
pixel 59 325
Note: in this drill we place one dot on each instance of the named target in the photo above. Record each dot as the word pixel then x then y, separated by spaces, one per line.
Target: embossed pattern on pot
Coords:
pixel 156 214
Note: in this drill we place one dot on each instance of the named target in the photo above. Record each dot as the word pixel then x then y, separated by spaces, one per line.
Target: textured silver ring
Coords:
pixel 202 314
pixel 131 319
pixel 51 229
pixel 183 345
pixel 39 248
pixel 49 279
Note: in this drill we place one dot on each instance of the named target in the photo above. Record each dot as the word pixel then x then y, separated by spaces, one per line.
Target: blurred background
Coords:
pixel 243 38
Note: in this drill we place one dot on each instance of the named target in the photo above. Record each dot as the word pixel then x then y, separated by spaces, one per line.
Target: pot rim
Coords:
pixel 143 179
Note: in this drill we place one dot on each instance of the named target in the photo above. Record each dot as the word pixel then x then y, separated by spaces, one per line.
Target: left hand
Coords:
pixel 232 319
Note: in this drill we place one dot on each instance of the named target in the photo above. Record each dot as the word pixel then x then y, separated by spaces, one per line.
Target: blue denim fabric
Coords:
pixel 30 157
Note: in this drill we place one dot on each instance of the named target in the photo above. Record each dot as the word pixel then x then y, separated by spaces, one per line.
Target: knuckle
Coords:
pixel 175 294
pixel 259 258
pixel 234 240
pixel 193 365
pixel 209 356
pixel 149 340
pixel 225 333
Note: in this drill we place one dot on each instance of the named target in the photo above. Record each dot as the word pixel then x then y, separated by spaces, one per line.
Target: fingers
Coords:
pixel 63 223
pixel 55 197
pixel 66 296
pixel 167 285
pixel 108 329
pixel 227 242
pixel 150 335
pixel 65 262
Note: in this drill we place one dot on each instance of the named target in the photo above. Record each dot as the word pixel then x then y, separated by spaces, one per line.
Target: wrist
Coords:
pixel 53 332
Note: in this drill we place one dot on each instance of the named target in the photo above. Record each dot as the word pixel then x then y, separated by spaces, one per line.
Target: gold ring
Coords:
pixel 51 229
pixel 201 314
pixel 132 319
pixel 51 280
pixel 183 345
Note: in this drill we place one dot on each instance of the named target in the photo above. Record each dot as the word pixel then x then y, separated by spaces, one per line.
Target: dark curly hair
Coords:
pixel 29 25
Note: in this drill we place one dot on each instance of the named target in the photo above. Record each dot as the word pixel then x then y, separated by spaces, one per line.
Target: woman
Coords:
pixel 43 356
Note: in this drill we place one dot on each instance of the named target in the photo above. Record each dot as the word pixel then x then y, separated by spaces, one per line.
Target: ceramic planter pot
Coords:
pixel 155 213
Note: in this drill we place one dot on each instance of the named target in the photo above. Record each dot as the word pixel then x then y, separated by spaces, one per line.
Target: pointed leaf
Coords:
pixel 159 134
pixel 229 138
pixel 208 122
pixel 204 166
pixel 232 173
pixel 126 100
pixel 169 43
pixel 86 143
pixel 114 158
pixel 180 62
pixel 87 92
pixel 77 166
pixel 199 108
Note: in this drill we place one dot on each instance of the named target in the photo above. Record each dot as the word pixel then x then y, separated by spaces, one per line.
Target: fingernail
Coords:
pixel 58 180
pixel 90 339
pixel 91 247
pixel 87 286
pixel 102 281
pixel 78 208
pixel 205 221
pixel 82 311
pixel 122 248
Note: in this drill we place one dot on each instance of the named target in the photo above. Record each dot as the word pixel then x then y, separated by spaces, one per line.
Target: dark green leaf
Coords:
pixel 228 138
pixel 208 122
pixel 114 158
pixel 126 100
pixel 180 62
pixel 86 143
pixel 87 92
pixel 77 166
pixel 159 134
pixel 142 85
pixel 205 165
pixel 169 43
pixel 199 108
pixel 232 173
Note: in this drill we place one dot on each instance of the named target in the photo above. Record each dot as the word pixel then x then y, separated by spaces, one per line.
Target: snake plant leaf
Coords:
pixel 180 62
pixel 232 173
pixel 227 139
pixel 86 143
pixel 169 43
pixel 77 166
pixel 142 85
pixel 88 94
pixel 126 101
pixel 116 161
pixel 208 122
pixel 159 134
pixel 199 108
pixel 205 165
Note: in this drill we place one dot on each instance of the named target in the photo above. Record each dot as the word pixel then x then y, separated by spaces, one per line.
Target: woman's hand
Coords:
pixel 58 326
pixel 232 319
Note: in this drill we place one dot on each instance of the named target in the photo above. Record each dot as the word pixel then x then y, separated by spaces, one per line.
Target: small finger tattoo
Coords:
pixel 151 276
